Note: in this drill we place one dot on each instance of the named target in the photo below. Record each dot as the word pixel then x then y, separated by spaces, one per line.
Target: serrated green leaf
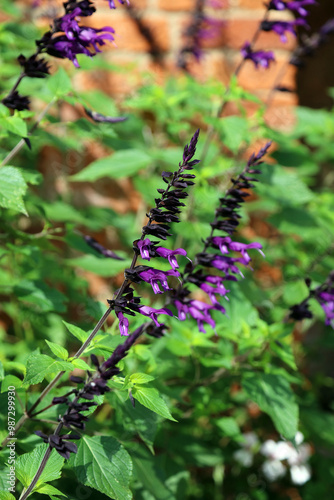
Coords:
pixel 76 331
pixel 150 397
pixel 12 189
pixel 27 465
pixel 123 163
pixel 58 350
pixel 103 464
pixel 59 83
pixel 40 365
pixel 14 124
pixel 274 396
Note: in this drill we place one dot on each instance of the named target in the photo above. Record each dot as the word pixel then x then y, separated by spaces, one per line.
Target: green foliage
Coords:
pixel 27 465
pixel 183 405
pixel 103 464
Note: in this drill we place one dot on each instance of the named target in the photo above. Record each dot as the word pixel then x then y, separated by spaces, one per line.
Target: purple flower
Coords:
pixel 90 36
pixel 144 248
pixel 112 4
pixel 123 323
pixel 152 313
pixel 170 255
pixel 297 6
pixel 154 277
pixel 260 57
pixel 226 245
pixel 326 300
pixel 67 49
pixel 199 311
pixel 281 27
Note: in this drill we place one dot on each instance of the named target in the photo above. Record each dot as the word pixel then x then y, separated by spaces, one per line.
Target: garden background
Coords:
pixel 242 392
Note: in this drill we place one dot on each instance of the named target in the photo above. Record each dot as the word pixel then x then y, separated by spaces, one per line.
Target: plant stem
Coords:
pixel 40 469
pixel 48 388
pixel 21 143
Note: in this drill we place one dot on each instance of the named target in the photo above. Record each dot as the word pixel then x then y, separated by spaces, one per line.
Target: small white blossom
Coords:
pixel 273 469
pixel 300 474
pixel 244 457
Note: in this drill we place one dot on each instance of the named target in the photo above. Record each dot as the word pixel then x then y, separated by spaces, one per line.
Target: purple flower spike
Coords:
pixel 144 248
pixel 260 57
pixel 281 27
pixel 326 300
pixel 170 255
pixel 154 276
pixel 152 313
pixel 123 323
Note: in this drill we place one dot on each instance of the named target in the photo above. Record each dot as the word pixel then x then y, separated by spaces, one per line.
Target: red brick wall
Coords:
pixel 167 20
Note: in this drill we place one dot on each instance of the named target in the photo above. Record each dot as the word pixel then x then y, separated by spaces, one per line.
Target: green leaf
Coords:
pixel 48 489
pixel 40 365
pixel 76 331
pixel 274 396
pixel 80 363
pixel 10 380
pixel 283 186
pixel 59 83
pixel 136 419
pixel 14 124
pixel 103 464
pixel 229 427
pixel 6 495
pixel 41 295
pixel 58 350
pixel 27 465
pixel 145 469
pixel 141 378
pixel 234 130
pixel 12 189
pixel 102 267
pixel 123 163
pixel 150 397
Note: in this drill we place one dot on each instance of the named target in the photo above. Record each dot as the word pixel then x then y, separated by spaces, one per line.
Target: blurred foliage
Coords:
pixel 196 395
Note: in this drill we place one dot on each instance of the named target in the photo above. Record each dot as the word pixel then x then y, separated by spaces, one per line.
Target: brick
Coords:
pixel 251 4
pixel 177 5
pixel 261 78
pixel 102 4
pixel 236 32
pixel 128 36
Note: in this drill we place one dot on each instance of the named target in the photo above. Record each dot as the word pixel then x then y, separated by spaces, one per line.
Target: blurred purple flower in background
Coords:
pixel 259 57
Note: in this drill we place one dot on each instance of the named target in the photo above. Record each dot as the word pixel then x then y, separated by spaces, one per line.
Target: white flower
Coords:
pixel 276 450
pixel 300 474
pixel 244 457
pixel 273 469
pixel 301 456
pixel 251 440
